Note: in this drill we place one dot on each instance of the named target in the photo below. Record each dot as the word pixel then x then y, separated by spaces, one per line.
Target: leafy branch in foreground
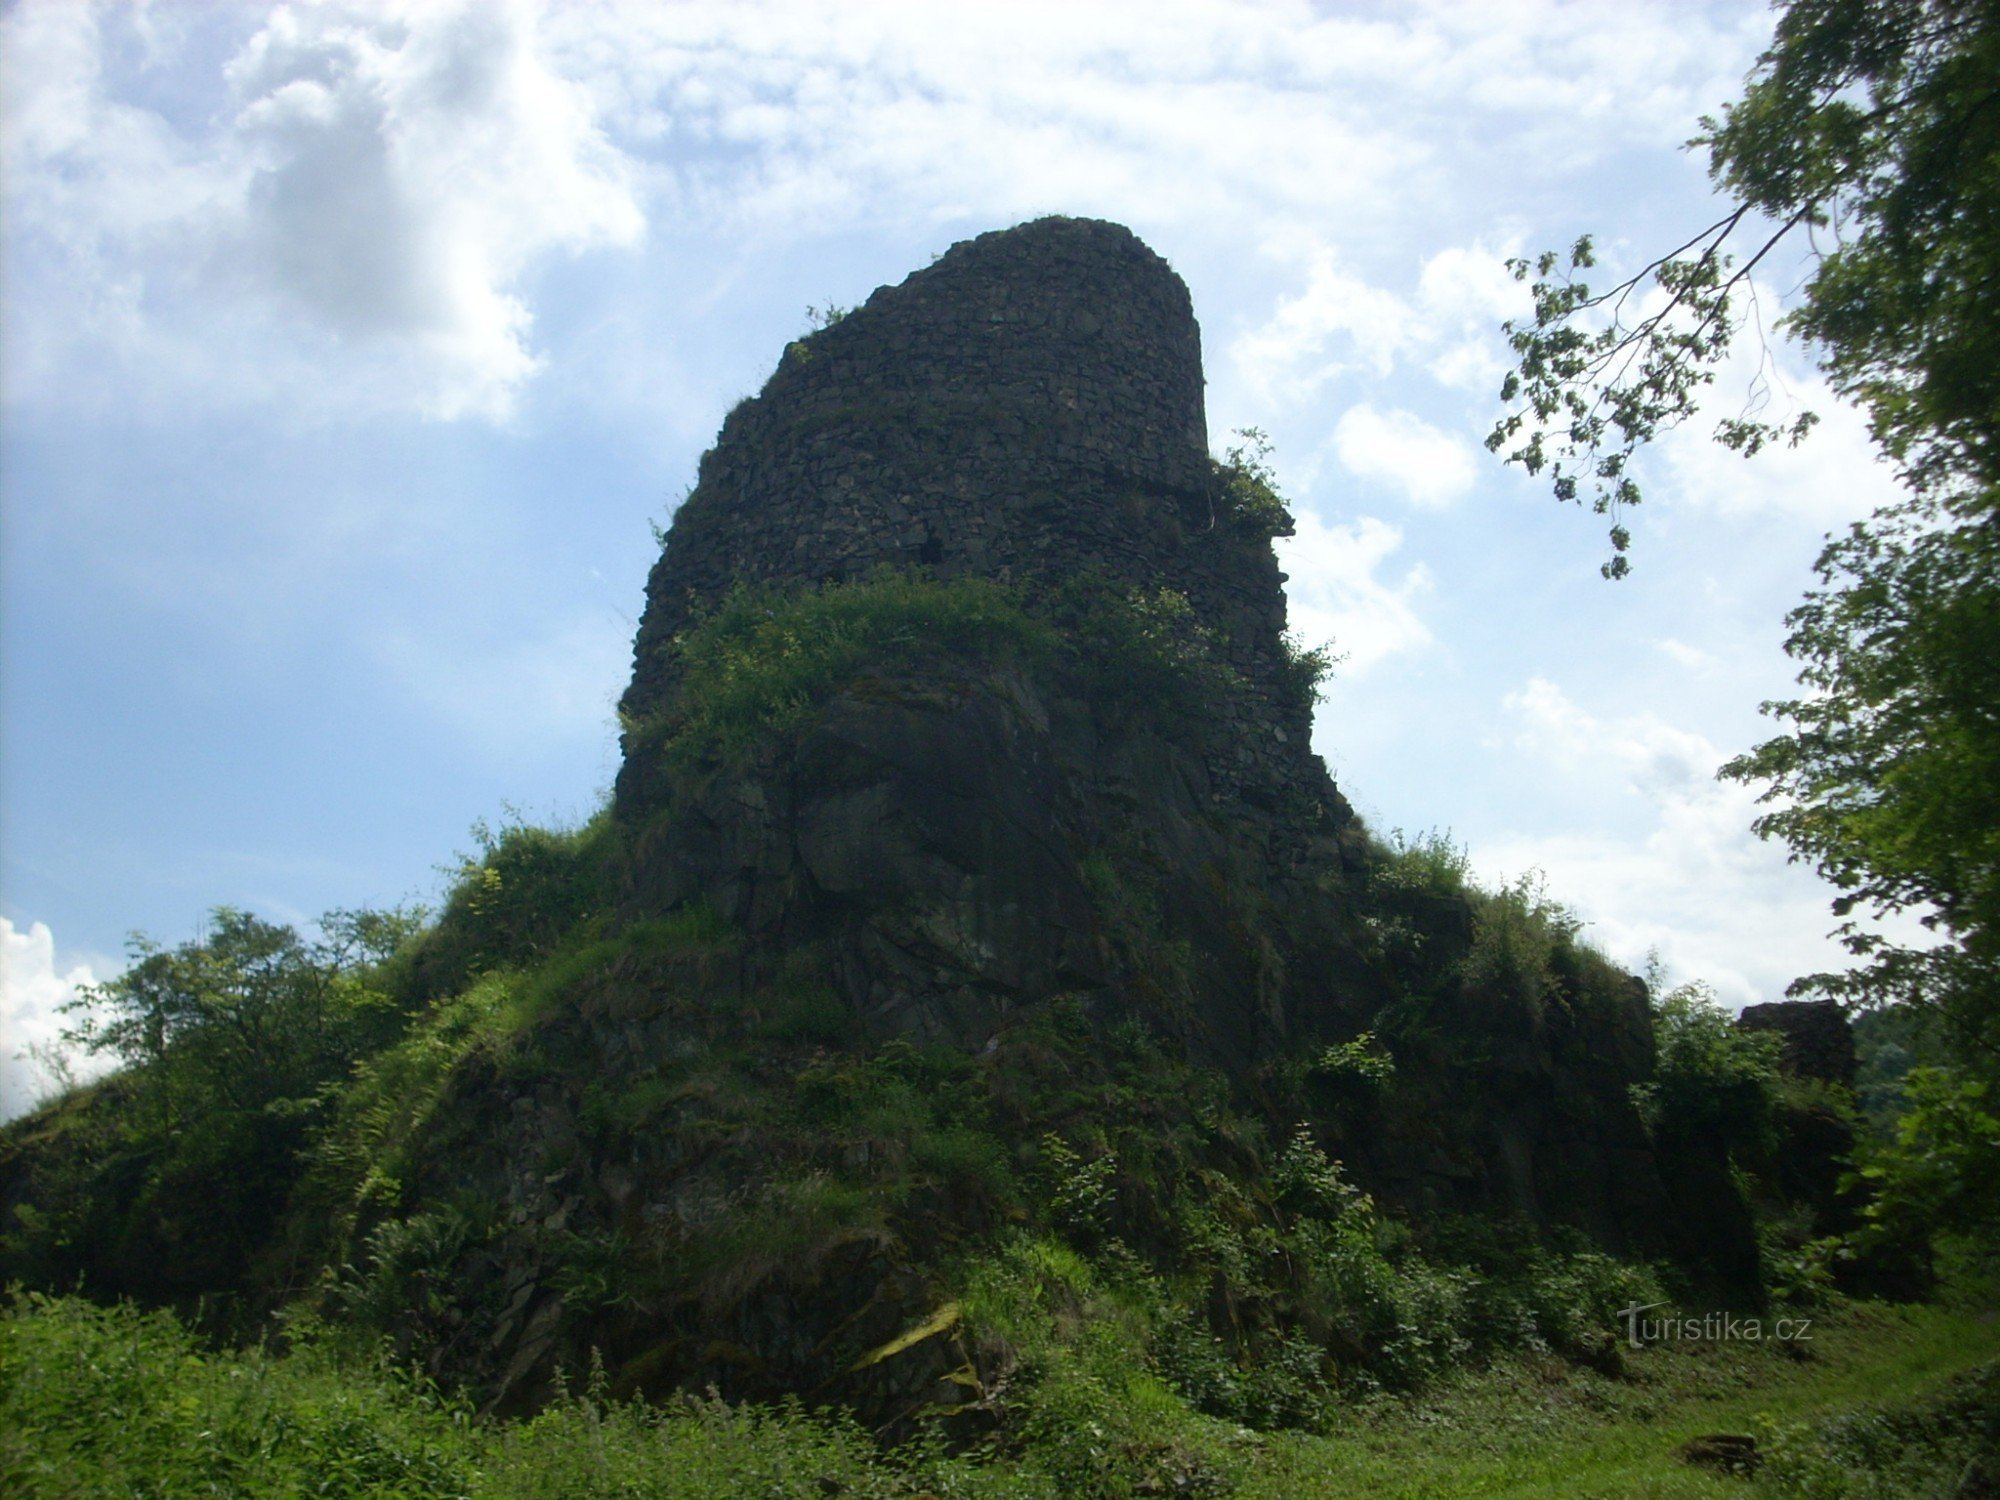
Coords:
pixel 1595 381
pixel 1874 127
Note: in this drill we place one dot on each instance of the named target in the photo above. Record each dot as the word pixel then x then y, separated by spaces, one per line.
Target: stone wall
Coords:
pixel 1819 1042
pixel 1029 407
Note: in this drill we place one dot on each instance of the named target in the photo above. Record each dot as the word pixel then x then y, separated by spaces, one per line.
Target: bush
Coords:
pixel 521 899
pixel 1520 940
pixel 114 1401
pixel 1247 488
pixel 1712 1079
pixel 168 1180
pixel 1143 651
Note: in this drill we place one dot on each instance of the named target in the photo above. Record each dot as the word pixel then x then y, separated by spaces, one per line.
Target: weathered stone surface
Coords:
pixel 1028 407
pixel 1819 1042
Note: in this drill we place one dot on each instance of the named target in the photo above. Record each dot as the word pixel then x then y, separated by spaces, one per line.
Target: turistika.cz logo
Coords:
pixel 1714 1326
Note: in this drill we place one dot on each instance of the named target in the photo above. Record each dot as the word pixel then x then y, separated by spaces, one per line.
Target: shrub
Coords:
pixel 1519 939
pixel 1145 651
pixel 1429 864
pixel 1712 1078
pixel 519 900
pixel 1247 489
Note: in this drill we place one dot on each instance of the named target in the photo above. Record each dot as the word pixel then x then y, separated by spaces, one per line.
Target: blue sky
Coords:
pixel 350 350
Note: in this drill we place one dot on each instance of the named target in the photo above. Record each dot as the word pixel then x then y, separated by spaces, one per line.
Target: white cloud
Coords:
pixel 1336 594
pixel 1336 324
pixel 1698 886
pixel 1691 657
pixel 351 213
pixel 356 227
pixel 31 992
pixel 1833 477
pixel 1470 284
pixel 1464 293
pixel 1400 450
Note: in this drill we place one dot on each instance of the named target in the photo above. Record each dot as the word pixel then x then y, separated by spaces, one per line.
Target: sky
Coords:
pixel 352 352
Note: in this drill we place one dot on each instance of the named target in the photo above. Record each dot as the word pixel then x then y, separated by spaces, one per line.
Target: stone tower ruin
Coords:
pixel 1028 407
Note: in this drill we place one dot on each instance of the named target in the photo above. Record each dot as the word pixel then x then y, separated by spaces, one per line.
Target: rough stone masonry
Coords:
pixel 1028 407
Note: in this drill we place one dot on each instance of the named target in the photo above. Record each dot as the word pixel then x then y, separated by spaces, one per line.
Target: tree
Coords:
pixel 167 1179
pixel 249 1018
pixel 1872 127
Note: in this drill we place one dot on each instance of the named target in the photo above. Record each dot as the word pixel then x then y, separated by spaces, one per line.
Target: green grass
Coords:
pixel 1531 1427
pixel 112 1401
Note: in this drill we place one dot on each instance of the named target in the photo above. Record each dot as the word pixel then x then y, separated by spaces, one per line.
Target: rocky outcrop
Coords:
pixel 1030 408
pixel 1818 1041
pixel 947 849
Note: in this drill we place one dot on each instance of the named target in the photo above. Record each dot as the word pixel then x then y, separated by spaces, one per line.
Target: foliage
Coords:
pixel 1247 486
pixel 1867 125
pixel 1944 1443
pixel 1941 1171
pixel 1889 781
pixel 169 1179
pixel 1870 125
pixel 1888 1043
pixel 1079 1192
pixel 1521 939
pixel 244 1017
pixel 361 1159
pixel 1141 650
pixel 1428 864
pixel 1712 1078
pixel 1361 1059
pixel 1873 120
pixel 111 1401
pixel 764 659
pixel 1307 669
pixel 515 903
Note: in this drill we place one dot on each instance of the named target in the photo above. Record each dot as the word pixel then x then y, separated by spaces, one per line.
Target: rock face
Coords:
pixel 1030 409
pixel 1818 1041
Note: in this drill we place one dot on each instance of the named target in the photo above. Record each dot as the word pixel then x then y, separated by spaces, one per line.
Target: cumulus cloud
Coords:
pixel 1464 293
pixel 1338 594
pixel 1833 477
pixel 1401 451
pixel 32 990
pixel 354 208
pixel 1336 324
pixel 368 203
pixel 1717 903
pixel 1692 657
